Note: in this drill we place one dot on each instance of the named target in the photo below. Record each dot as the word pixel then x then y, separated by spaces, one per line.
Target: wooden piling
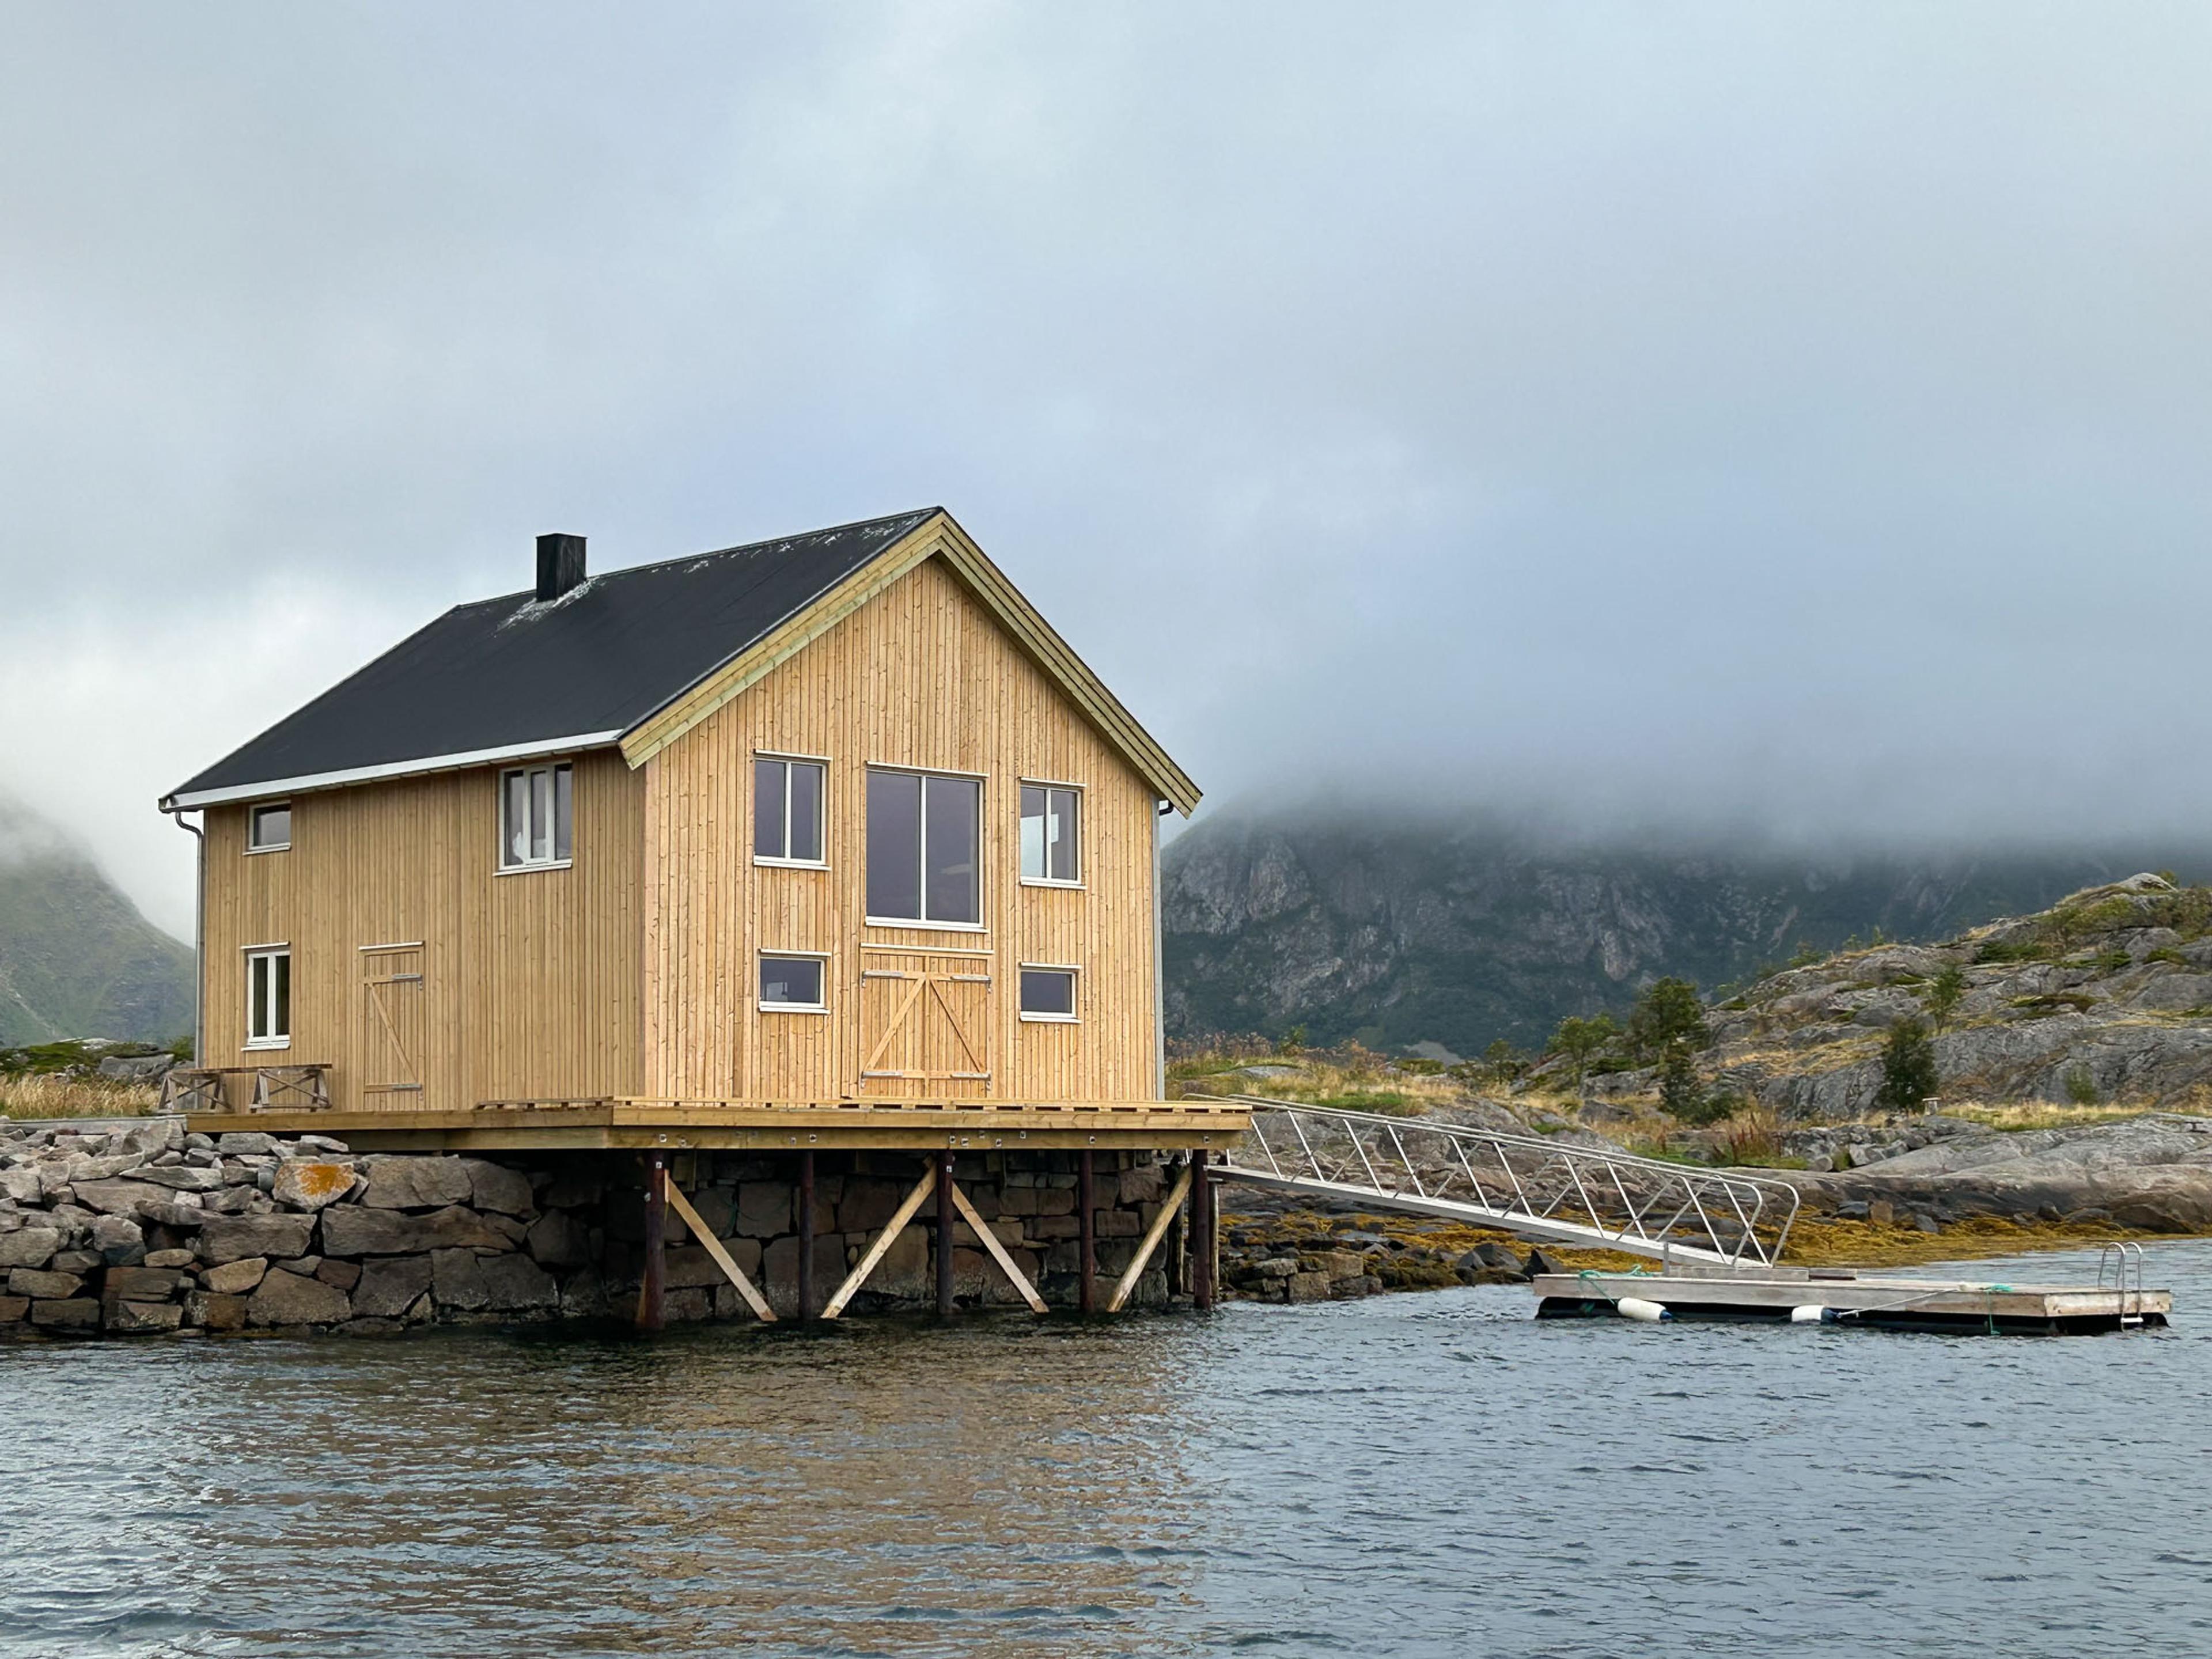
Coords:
pixel 1201 1234
pixel 652 1290
pixel 945 1233
pixel 806 1236
pixel 1086 1266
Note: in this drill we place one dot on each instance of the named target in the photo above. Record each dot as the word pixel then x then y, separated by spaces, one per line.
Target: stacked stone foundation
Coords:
pixel 147 1230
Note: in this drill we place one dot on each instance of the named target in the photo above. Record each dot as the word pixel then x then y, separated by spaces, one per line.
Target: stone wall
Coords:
pixel 146 1229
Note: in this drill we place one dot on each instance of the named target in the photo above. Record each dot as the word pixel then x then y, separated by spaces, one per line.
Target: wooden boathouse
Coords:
pixel 828 845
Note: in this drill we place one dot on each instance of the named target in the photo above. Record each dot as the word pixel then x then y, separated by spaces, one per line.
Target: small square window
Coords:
pixel 791 984
pixel 269 828
pixel 1049 994
pixel 1051 819
pixel 537 816
pixel 787 810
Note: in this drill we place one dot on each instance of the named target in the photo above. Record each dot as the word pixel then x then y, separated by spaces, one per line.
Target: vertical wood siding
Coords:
pixel 531 983
pixel 922 677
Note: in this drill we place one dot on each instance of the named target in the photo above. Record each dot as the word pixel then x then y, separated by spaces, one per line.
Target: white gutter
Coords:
pixel 182 801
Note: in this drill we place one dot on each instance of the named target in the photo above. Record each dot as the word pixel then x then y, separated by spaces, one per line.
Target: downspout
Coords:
pixel 199 930
pixel 1160 810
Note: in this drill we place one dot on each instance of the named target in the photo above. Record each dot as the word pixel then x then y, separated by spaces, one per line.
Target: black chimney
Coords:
pixel 560 565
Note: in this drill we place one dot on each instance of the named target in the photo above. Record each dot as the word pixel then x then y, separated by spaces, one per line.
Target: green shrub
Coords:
pixel 2112 959
pixel 2081 1088
pixel 1908 1067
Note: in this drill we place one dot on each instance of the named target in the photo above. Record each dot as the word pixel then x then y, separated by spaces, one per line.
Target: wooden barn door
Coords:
pixel 924 1025
pixel 394 1027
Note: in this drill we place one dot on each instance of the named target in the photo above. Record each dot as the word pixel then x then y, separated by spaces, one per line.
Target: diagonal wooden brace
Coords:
pixel 990 1242
pixel 859 1276
pixel 705 1234
pixel 1153 1234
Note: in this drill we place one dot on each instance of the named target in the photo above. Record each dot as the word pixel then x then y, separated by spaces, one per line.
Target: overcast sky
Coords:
pixel 1788 414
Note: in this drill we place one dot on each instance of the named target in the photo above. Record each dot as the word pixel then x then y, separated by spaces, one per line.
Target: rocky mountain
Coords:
pixel 1458 931
pixel 76 958
pixel 2107 997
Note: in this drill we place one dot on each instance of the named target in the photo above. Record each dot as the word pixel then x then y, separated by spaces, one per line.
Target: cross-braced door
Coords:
pixel 924 1025
pixel 393 1026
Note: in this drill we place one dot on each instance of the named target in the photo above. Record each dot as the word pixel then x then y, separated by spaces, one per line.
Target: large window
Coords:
pixel 925 842
pixel 269 828
pixel 1050 820
pixel 791 984
pixel 787 810
pixel 268 998
pixel 536 817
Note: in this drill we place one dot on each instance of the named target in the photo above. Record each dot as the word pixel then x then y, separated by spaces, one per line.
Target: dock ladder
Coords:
pixel 2118 1257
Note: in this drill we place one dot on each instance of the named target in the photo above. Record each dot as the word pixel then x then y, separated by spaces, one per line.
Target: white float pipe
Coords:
pixel 1636 1308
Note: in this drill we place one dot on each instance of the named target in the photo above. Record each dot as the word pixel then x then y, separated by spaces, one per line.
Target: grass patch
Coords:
pixel 50 1094
pixel 2041 1114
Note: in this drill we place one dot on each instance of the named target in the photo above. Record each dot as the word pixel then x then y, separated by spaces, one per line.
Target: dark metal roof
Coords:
pixel 506 673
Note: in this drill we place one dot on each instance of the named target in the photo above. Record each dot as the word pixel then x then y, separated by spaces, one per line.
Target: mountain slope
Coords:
pixel 1460 933
pixel 76 958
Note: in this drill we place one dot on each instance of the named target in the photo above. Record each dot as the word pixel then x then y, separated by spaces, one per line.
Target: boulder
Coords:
pixel 121 1197
pixel 75 1314
pixel 350 1230
pixel 246 1143
pixel 401 1181
pixel 121 1242
pixel 170 1258
pixel 235 1278
pixel 14 1310
pixel 290 1300
pixel 495 1187
pixel 310 1184
pixel 167 1213
pixel 21 1184
pixel 343 1274
pixel 140 1284
pixel 764 1209
pixel 232 1238
pixel 558 1239
pixel 215 1312
pixel 28 1246
pixel 141 1318
pixel 38 1283
pixel 388 1288
pixel 179 1177
pixel 500 1284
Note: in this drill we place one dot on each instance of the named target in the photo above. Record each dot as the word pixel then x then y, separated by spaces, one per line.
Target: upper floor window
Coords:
pixel 787 810
pixel 1050 818
pixel 269 828
pixel 268 998
pixel 925 843
pixel 536 817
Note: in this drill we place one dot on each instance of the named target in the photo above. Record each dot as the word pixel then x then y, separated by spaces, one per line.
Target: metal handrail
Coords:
pixel 1570 1193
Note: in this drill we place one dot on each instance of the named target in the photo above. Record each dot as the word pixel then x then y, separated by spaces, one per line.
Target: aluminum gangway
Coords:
pixel 1533 1185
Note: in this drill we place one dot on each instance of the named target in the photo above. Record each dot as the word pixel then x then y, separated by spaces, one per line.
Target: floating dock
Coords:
pixel 1843 1296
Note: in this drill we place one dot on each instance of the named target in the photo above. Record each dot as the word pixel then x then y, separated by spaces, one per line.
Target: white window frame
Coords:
pixel 256 954
pixel 982 782
pixel 822 863
pixel 768 1007
pixel 1082 824
pixel 1075 973
pixel 511 867
pixel 253 823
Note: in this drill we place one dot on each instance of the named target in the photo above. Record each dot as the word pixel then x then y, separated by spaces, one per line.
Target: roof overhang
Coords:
pixel 182 801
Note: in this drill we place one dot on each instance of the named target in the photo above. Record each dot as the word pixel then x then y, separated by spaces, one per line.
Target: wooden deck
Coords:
pixel 762 1126
pixel 1855 1298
